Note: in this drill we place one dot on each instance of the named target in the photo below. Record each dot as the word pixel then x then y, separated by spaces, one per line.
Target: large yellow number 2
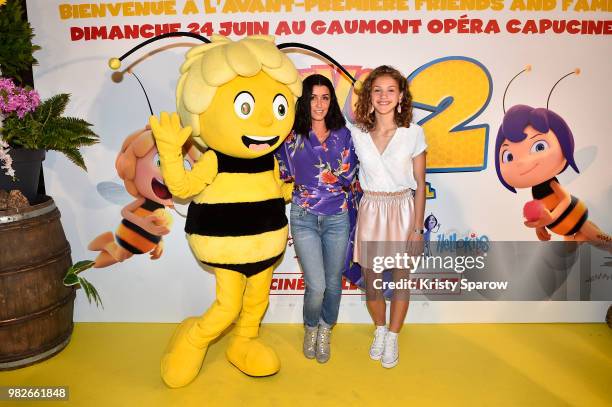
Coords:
pixel 455 90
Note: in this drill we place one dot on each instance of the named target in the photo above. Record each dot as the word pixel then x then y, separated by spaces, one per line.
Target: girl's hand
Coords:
pixel 415 245
pixel 545 219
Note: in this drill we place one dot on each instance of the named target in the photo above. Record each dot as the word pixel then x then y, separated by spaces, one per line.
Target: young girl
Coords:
pixel 391 152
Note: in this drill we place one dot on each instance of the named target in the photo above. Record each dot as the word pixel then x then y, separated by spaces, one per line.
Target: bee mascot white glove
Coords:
pixel 238 99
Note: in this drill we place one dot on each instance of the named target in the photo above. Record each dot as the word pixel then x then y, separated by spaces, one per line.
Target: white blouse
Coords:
pixel 390 171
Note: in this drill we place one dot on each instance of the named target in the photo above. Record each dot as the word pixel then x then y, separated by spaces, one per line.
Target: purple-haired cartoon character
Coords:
pixel 431 225
pixel 533 146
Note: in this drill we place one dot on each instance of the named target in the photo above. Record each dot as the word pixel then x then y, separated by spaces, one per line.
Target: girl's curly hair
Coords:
pixel 365 117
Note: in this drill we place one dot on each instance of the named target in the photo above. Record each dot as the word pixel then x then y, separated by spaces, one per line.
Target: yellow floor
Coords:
pixel 472 365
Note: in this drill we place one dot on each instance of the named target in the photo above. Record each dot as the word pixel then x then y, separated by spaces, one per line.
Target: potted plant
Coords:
pixel 36 315
pixel 28 127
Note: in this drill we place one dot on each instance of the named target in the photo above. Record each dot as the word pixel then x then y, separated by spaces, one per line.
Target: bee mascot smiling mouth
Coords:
pixel 238 99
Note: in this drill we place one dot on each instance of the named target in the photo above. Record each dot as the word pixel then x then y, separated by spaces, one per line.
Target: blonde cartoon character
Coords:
pixel 236 98
pixel 145 219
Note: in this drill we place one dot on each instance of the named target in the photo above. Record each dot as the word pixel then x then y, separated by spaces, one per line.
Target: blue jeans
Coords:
pixel 320 243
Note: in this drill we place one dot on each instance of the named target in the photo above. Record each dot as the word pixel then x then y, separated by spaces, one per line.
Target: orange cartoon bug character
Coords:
pixel 145 220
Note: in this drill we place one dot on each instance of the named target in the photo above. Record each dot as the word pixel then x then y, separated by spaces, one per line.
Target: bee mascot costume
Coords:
pixel 237 99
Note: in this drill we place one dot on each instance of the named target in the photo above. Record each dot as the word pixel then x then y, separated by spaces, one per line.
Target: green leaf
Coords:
pixel 75 156
pixel 87 288
pixel 58 104
pixel 85 285
pixel 81 266
pixel 71 279
pixel 96 296
pixel 90 291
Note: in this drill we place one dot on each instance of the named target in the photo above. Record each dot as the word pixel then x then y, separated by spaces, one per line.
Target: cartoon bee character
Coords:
pixel 237 99
pixel 533 146
pixel 145 219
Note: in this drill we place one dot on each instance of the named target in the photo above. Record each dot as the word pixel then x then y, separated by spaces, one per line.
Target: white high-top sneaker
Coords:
pixel 378 345
pixel 390 355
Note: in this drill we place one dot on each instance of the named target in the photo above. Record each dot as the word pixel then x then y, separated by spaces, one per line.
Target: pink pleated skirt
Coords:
pixel 384 222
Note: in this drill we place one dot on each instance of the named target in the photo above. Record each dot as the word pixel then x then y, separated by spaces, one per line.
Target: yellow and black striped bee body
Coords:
pixel 132 237
pixel 571 220
pixel 238 222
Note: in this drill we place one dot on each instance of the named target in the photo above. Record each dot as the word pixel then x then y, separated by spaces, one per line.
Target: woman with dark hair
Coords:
pixel 319 156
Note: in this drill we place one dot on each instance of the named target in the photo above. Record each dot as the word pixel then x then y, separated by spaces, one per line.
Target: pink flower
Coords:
pixel 18 101
pixel 14 99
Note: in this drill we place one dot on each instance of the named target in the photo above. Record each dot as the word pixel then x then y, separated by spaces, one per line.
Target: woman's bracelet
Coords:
pixel 419 231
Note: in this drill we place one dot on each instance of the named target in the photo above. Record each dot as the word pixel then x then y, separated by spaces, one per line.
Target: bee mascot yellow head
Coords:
pixel 238 99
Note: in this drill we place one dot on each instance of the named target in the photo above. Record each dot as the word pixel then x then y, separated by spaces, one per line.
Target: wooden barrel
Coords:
pixel 35 307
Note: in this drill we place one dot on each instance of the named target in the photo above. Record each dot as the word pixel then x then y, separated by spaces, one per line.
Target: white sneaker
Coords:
pixel 378 345
pixel 390 355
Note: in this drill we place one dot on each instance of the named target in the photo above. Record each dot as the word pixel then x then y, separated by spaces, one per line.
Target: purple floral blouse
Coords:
pixel 323 173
